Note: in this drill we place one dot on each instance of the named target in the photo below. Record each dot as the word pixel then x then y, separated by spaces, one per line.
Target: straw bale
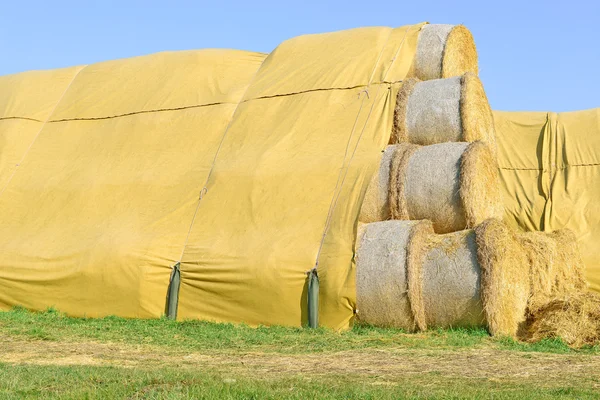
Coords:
pixel 444 51
pixel 455 185
pixel 443 110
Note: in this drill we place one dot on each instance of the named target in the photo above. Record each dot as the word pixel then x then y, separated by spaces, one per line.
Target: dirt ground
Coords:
pixel 386 365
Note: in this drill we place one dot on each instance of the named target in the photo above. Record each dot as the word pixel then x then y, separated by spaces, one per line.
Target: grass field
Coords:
pixel 48 355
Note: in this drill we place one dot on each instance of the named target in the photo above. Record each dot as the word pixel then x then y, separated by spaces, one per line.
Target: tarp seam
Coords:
pixel 141 112
pixel 23 118
pixel 384 82
pixel 564 167
pixel 522 169
pixel 157 110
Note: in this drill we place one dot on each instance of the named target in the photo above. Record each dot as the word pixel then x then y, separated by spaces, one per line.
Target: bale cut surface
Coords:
pixel 381 279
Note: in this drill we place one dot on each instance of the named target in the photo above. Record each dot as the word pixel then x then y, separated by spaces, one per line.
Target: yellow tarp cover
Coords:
pixel 246 169
pixel 550 169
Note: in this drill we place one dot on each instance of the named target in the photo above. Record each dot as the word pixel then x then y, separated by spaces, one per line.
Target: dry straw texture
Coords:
pixel 559 306
pixel 399 132
pixel 443 110
pixel 397 198
pixel 433 112
pixel 555 266
pixel 444 281
pixel 540 250
pixel 375 206
pixel 460 53
pixel 570 273
pixel 444 51
pixel 480 185
pixel 475 112
pixel 431 186
pixel 575 319
pixel 381 279
pixel 455 185
pixel 418 244
pixel 504 283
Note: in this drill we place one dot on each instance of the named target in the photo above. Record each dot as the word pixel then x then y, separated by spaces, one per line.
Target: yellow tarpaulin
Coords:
pixel 99 209
pixel 246 170
pixel 550 169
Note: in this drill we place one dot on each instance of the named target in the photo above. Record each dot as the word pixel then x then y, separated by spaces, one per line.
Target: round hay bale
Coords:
pixel 375 206
pixel 555 266
pixel 444 281
pixel 381 280
pixel 504 278
pixel 455 185
pixel 575 319
pixel 443 110
pixel 444 51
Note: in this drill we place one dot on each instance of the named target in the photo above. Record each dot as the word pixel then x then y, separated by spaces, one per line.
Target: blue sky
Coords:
pixel 533 55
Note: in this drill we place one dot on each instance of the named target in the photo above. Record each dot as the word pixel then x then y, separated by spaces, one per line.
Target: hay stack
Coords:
pixel 555 266
pixel 444 51
pixel 575 319
pixel 381 280
pixel 443 110
pixel 408 276
pixel 455 185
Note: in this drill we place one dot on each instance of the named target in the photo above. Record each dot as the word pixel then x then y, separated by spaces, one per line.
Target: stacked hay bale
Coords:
pixel 444 51
pixel 433 252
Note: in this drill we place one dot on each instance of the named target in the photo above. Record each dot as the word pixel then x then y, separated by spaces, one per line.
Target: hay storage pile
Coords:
pixel 433 252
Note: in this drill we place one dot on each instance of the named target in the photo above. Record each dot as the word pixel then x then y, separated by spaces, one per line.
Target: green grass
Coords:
pixel 199 335
pixel 35 382
pixel 159 370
